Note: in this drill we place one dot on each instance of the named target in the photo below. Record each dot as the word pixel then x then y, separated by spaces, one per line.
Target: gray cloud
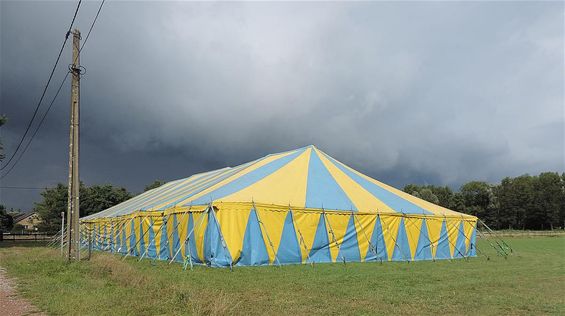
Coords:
pixel 436 93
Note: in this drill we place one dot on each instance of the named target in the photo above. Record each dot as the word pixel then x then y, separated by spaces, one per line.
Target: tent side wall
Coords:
pixel 247 235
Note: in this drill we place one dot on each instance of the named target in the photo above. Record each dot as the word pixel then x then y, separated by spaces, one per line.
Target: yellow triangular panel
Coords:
pixel 128 231
pixel 434 231
pixel 146 227
pixel 199 225
pixel 182 230
pixel 390 231
pixel 272 227
pixel 305 225
pixel 260 163
pixel 170 230
pixel 286 186
pixel 364 225
pixel 336 223
pixel 138 232
pixel 158 233
pixel 452 233
pixel 413 228
pixel 361 198
pixel 233 223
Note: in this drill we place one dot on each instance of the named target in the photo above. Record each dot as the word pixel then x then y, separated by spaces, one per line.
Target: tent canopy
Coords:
pixel 304 178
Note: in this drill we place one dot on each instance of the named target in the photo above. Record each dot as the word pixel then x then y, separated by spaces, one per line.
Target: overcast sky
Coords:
pixel 427 93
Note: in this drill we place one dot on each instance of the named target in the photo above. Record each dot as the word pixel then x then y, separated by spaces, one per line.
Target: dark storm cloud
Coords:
pixel 437 93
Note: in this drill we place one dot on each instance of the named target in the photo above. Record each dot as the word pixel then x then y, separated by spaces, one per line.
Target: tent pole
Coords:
pixel 495 236
pixel 498 250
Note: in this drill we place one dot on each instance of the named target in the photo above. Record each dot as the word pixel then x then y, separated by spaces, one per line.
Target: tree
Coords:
pixel 442 196
pixel 515 197
pixel 155 184
pixel 100 197
pixel 547 201
pixel 480 201
pixel 6 220
pixel 92 200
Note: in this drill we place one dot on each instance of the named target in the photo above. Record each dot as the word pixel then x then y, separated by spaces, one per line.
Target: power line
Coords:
pixel 54 98
pixel 44 89
pixel 36 129
pixel 22 188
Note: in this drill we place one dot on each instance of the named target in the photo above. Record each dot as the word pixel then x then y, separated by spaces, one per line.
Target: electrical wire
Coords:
pixel 56 94
pixel 44 89
pixel 37 129
pixel 22 188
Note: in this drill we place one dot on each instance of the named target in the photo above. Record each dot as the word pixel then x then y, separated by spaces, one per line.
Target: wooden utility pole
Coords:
pixel 73 232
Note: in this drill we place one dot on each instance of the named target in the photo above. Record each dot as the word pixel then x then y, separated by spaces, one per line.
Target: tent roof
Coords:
pixel 302 178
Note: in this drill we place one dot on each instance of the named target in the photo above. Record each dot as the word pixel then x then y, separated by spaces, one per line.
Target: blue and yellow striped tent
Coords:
pixel 300 206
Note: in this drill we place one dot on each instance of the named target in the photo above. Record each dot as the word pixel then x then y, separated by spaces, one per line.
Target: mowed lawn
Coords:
pixel 531 281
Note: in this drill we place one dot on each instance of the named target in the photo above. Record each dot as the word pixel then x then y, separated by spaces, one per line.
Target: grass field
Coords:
pixel 531 281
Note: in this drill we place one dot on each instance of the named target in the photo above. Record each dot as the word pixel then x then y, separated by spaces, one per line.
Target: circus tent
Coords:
pixel 299 206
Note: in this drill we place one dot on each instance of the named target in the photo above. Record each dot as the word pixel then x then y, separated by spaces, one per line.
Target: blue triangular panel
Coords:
pixel 151 249
pixel 164 245
pixel 322 190
pixel 215 251
pixel 460 244
pixel 424 249
pixel 472 251
pixel 289 247
pixel 254 250
pixel 443 251
pixel 132 240
pixel 141 244
pixel 349 248
pixel 402 248
pixel 320 251
pixel 377 241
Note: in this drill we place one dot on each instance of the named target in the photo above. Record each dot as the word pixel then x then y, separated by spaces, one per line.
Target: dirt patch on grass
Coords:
pixel 12 304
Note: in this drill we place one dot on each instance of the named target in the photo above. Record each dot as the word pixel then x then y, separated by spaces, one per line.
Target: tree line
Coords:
pixel 524 202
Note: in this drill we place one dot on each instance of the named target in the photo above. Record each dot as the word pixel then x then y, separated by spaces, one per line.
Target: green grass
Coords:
pixel 531 281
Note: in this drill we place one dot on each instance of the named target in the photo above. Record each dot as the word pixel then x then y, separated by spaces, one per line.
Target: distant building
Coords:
pixel 28 221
